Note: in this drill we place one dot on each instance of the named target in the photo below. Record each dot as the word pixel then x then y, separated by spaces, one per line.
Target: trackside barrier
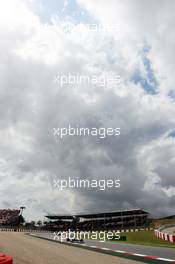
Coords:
pixel 164 236
pixel 22 230
pixel 5 259
pixel 48 231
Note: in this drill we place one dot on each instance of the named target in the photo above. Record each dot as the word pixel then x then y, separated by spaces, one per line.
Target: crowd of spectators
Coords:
pixel 8 216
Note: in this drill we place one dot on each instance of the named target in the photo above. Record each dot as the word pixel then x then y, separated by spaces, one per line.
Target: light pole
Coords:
pixel 22 209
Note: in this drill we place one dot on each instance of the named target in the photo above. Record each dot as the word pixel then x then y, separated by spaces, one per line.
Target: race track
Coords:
pixel 160 252
pixel 169 230
pixel 26 249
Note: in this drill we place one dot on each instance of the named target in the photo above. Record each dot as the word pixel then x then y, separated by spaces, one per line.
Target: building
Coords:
pixel 99 221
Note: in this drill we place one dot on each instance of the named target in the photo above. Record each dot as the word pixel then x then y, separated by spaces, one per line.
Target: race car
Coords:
pixel 72 240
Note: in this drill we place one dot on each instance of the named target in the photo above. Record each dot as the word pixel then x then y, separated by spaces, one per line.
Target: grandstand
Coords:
pixel 9 216
pixel 168 217
pixel 99 221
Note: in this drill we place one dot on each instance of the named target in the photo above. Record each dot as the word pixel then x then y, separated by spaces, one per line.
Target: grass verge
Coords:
pixel 146 238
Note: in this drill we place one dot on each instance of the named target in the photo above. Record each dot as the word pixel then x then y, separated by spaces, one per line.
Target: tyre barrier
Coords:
pixel 164 236
pixel 4 259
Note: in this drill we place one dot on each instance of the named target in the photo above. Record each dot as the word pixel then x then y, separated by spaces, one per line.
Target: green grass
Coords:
pixel 146 238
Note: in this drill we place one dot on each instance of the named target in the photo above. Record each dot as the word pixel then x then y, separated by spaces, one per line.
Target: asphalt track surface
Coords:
pixel 26 249
pixel 160 252
pixel 139 249
pixel 169 230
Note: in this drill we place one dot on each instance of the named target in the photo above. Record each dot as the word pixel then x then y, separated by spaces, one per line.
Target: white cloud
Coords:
pixel 33 53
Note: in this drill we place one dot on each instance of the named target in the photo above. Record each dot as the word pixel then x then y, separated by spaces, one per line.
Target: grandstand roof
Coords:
pixel 115 213
pixel 53 217
pixel 168 217
pixel 98 215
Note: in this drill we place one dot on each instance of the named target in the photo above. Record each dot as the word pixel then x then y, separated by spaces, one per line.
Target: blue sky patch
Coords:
pixel 149 83
pixel 172 134
pixel 61 8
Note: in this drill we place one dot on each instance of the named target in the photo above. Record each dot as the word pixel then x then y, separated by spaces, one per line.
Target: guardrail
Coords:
pixel 48 231
pixel 22 230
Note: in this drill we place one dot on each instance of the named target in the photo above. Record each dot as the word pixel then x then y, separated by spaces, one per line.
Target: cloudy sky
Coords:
pixel 34 48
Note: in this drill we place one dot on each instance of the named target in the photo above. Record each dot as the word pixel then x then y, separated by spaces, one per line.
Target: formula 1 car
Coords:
pixel 74 240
